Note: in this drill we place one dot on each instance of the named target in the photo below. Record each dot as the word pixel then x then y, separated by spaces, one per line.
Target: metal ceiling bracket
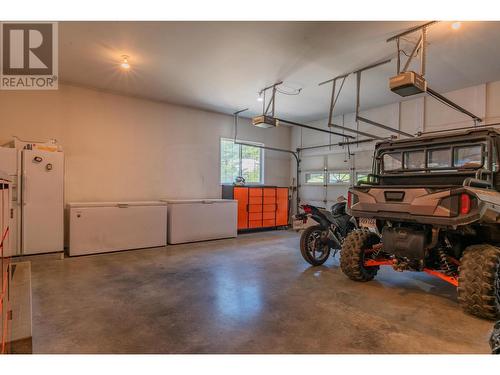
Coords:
pixel 335 96
pixel 358 105
pixel 272 102
pixel 236 116
pixel 371 66
pixel 356 131
pixel 374 65
pixel 336 144
pixel 412 30
pixel 382 126
pixel 413 53
pixel 422 45
pixel 313 128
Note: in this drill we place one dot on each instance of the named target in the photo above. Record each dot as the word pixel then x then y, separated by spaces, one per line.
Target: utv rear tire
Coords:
pixel 305 239
pixel 352 256
pixel 479 281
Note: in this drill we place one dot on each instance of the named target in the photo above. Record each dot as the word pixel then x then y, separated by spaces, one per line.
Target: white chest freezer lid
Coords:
pixel 201 200
pixel 115 204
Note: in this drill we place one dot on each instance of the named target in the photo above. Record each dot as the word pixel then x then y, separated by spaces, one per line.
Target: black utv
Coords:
pixel 432 204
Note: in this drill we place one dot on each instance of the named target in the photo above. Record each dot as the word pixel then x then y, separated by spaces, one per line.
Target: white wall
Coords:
pixel 123 148
pixel 412 116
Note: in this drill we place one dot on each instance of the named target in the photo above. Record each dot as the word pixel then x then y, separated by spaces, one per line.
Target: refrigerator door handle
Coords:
pixel 24 189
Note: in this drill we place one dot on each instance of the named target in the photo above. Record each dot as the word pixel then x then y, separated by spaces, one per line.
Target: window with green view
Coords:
pixel 339 178
pixel 240 160
pixel 314 177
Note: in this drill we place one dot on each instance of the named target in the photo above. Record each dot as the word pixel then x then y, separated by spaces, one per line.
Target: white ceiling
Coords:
pixel 220 66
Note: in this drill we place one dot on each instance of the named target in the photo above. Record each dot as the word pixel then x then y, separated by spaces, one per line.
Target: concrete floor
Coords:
pixel 253 294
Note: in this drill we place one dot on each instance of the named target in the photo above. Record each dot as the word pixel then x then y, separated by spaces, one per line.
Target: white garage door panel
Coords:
pixel 312 163
pixel 412 115
pixel 312 192
pixel 334 191
pixel 338 161
pixel 363 160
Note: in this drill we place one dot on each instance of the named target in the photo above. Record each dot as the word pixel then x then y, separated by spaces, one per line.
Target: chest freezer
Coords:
pixel 192 220
pixel 100 227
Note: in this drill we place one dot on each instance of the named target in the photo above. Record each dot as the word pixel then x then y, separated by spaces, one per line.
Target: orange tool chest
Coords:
pixel 259 206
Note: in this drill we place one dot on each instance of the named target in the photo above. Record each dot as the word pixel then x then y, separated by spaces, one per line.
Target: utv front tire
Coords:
pixel 352 256
pixel 479 281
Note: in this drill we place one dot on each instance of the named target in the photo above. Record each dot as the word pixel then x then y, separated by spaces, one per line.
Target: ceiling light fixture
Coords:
pixel 124 64
pixel 260 98
pixel 456 25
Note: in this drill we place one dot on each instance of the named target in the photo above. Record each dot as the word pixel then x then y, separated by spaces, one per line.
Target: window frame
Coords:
pixel 450 160
pixel 468 146
pixel 405 158
pixel 262 161
pixel 389 171
pixel 320 172
pixel 339 183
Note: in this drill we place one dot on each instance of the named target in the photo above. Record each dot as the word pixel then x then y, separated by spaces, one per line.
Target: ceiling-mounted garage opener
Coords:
pixel 407 83
pixel 268 119
pixel 335 96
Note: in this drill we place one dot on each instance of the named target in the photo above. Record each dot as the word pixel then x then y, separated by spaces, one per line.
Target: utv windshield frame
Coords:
pixel 489 142
pixel 452 167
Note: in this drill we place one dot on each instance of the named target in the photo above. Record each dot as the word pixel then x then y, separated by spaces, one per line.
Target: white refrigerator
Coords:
pixel 38 199
pixel 42 229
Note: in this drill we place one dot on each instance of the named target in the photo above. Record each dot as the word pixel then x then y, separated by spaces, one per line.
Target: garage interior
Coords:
pixel 145 238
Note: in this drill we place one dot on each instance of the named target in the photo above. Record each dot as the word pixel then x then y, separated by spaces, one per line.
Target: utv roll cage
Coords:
pixel 482 175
